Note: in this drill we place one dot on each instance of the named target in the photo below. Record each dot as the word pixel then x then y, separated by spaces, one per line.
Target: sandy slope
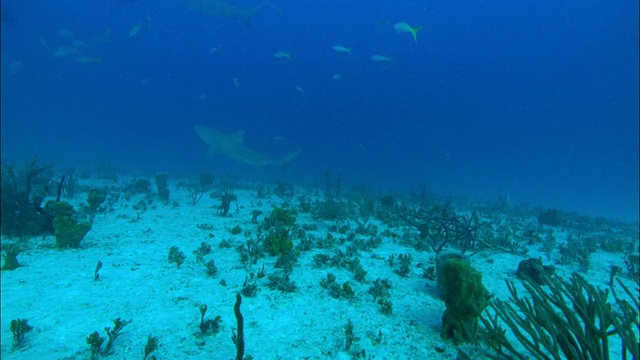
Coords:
pixel 56 292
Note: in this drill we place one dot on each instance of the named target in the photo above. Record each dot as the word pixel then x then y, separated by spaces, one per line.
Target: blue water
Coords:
pixel 536 100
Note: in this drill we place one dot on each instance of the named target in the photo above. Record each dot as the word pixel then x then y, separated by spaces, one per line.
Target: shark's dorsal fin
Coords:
pixel 238 135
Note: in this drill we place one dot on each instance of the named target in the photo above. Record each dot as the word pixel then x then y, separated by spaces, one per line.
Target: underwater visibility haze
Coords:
pixel 534 101
pixel 319 179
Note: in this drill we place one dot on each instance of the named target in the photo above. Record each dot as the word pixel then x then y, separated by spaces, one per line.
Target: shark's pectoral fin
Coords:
pixel 287 158
pixel 246 20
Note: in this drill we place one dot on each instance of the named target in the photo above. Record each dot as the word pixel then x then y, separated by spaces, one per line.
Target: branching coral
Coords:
pixel 362 208
pixel 442 226
pixel 285 192
pixel 22 195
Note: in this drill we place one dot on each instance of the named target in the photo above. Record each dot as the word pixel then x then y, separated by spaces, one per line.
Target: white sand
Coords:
pixel 55 291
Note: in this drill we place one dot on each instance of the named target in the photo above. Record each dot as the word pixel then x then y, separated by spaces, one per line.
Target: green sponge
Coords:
pixel 95 198
pixel 67 230
pixel 465 298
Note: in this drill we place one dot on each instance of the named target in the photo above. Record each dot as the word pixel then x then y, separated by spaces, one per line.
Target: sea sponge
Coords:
pixel 95 198
pixel 465 298
pixel 67 230
pixel 280 215
pixel 278 241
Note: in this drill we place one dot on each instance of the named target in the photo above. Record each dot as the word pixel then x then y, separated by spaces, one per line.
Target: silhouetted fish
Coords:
pixel 226 9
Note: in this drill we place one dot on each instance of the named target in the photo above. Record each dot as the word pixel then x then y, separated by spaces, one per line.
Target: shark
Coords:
pixel 232 146
pixel 226 9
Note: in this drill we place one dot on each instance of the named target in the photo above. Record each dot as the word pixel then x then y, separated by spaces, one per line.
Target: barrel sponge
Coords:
pixel 465 298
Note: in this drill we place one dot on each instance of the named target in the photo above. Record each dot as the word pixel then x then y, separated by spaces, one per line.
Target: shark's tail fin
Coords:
pixel 246 17
pixel 287 158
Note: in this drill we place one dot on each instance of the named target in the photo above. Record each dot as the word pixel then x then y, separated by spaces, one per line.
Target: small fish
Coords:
pixel 79 43
pixel 301 91
pixel 15 67
pixel 64 33
pixel 65 51
pixel 87 59
pixel 236 83
pixel 380 58
pixel 105 38
pixel 403 27
pixel 336 76
pixel 202 97
pixel 134 31
pixel 145 81
pixel 282 55
pixel 278 138
pixel 44 44
pixel 214 49
pixel 342 49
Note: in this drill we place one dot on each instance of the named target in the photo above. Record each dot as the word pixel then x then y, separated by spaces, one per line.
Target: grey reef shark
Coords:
pixel 232 146
pixel 226 9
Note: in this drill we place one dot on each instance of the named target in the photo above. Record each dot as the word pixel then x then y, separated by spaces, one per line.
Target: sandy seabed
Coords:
pixel 55 290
